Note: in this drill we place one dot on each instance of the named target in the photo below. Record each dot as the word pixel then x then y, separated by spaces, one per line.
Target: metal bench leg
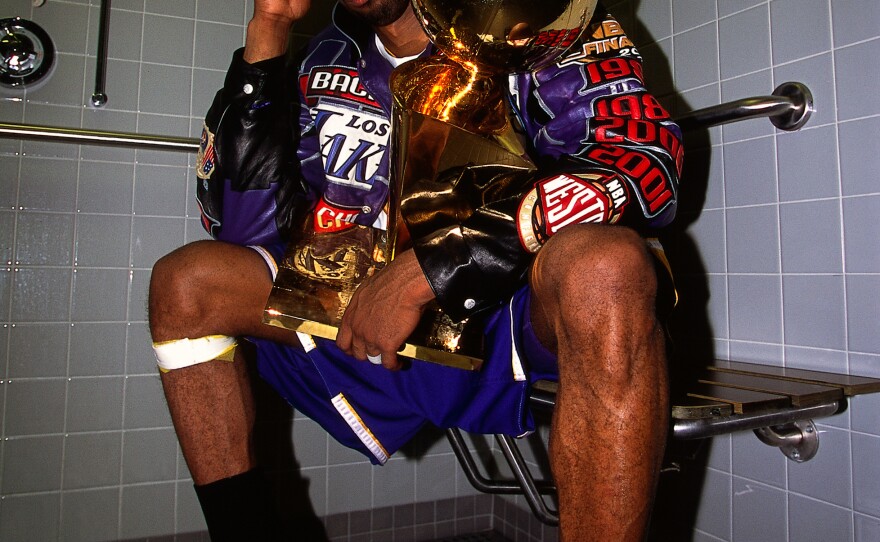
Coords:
pixel 524 483
pixel 469 466
pixel 524 476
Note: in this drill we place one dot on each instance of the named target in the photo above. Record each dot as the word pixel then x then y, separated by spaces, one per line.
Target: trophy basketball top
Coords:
pixel 503 36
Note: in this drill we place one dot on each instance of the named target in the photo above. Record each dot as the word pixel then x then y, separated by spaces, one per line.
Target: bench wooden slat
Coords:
pixel 742 401
pixel 685 408
pixel 735 387
pixel 547 386
pixel 850 384
pixel 802 394
pixel 692 408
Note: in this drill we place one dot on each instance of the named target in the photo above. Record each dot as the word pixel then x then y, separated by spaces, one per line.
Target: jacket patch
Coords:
pixel 606 38
pixel 335 81
pixel 353 143
pixel 205 158
pixel 331 218
pixel 557 38
pixel 562 200
pixel 654 184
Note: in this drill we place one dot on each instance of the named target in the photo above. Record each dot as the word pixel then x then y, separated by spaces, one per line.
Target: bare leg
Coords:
pixel 202 289
pixel 594 289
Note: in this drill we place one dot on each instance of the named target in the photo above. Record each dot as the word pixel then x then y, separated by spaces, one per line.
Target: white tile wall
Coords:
pixel 801 256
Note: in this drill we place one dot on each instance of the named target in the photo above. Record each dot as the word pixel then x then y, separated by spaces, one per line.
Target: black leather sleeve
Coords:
pixel 472 265
pixel 254 191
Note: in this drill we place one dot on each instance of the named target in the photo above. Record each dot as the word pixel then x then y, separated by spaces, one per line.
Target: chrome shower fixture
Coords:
pixel 27 53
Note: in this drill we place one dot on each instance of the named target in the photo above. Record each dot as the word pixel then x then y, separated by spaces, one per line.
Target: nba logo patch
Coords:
pixel 558 201
pixel 205 159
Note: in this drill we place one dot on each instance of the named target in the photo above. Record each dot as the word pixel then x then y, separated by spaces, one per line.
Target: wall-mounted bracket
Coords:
pixel 801 100
pixel 798 441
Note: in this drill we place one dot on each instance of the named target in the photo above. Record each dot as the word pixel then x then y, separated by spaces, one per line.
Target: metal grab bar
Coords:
pixel 788 108
pixel 95 137
pixel 711 427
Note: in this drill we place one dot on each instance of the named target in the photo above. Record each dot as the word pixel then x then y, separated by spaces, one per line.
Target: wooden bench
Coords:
pixel 778 404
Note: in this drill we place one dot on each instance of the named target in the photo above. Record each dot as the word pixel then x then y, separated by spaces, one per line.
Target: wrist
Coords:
pixel 419 286
pixel 267 37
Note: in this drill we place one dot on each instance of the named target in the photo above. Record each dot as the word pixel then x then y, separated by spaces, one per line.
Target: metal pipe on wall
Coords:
pixel 99 97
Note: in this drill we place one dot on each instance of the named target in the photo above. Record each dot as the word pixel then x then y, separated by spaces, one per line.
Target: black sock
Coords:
pixel 240 507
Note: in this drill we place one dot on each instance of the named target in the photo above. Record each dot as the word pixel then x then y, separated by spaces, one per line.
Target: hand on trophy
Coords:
pixel 384 311
pixel 268 29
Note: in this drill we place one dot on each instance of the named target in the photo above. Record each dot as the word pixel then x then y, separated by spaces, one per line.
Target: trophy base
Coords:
pixel 315 308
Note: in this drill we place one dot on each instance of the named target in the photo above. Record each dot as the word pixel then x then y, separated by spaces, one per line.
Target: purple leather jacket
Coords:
pixel 281 143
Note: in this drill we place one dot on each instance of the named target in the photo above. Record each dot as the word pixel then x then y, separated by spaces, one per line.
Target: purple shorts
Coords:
pixel 376 411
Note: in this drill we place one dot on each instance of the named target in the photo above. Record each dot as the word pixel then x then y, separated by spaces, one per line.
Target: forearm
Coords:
pixel 267 37
pixel 269 27
pixel 472 263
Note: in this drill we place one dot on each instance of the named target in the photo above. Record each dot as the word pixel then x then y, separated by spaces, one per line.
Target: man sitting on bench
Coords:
pixel 583 309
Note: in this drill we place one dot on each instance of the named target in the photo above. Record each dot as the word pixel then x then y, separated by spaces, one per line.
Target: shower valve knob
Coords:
pixel 26 53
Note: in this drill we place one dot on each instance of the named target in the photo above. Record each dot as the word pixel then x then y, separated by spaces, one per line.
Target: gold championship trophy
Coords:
pixel 450 120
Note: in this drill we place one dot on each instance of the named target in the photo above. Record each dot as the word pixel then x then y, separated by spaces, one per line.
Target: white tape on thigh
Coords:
pixel 181 353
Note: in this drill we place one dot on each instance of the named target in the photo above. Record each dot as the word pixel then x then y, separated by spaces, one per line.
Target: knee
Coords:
pixel 177 286
pixel 597 287
pixel 175 275
pixel 601 265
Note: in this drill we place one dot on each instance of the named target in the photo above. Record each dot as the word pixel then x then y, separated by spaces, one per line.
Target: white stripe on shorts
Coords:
pixel 359 427
pixel 519 374
pixel 270 261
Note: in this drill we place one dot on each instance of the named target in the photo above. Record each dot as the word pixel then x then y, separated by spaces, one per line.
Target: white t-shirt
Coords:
pixel 395 61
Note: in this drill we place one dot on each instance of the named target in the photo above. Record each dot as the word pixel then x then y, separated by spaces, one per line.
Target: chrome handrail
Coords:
pixel 711 427
pixel 97 137
pixel 789 108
